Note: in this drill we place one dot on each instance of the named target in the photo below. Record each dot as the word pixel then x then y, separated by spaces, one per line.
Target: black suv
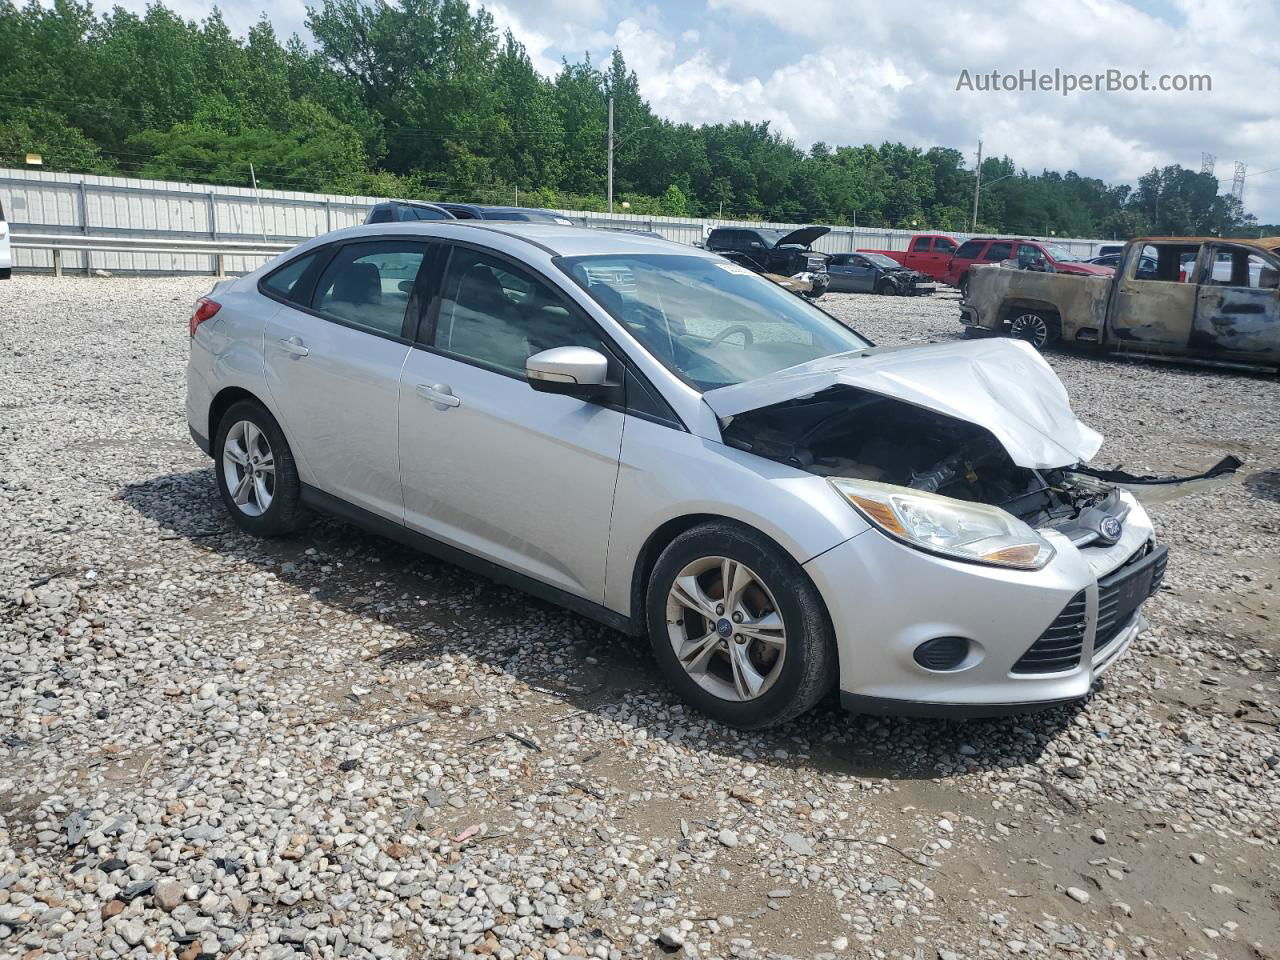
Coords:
pixel 471 211
pixel 780 252
pixel 397 211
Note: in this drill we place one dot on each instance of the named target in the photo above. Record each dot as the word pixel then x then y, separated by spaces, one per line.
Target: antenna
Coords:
pixel 1237 182
pixel 1206 163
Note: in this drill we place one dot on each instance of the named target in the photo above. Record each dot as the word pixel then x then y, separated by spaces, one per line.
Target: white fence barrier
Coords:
pixel 79 206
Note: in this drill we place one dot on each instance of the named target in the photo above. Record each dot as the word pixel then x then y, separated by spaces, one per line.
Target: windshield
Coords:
pixel 1060 254
pixel 712 323
pixel 880 260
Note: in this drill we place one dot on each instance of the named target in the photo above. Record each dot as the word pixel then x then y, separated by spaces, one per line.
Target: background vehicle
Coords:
pixel 6 250
pixel 779 254
pixel 471 211
pixel 395 211
pixel 1108 249
pixel 875 273
pixel 1027 255
pixel 928 253
pixel 526 403
pixel 1112 260
pixel 1212 299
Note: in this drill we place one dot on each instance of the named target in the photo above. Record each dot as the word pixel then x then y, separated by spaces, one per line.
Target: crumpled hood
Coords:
pixel 1002 385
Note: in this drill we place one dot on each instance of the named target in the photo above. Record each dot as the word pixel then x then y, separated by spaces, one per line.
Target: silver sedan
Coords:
pixel 658 438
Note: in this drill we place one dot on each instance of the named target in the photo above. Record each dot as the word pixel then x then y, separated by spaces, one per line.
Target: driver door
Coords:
pixel 521 478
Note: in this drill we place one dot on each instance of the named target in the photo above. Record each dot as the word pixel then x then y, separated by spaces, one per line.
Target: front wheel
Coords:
pixel 738 628
pixel 1039 329
pixel 257 476
pixel 886 288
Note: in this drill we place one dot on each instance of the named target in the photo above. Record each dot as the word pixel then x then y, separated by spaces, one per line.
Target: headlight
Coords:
pixel 955 528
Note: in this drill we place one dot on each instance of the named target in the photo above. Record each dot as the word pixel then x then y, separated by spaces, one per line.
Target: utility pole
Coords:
pixel 253 177
pixel 977 189
pixel 611 154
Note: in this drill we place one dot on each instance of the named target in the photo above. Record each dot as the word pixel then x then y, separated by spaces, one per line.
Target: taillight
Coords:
pixel 205 308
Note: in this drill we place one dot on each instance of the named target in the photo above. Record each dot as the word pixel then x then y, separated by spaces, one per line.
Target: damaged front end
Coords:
pixel 849 434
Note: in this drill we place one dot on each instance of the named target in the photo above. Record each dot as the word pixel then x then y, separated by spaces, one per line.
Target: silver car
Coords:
pixel 662 440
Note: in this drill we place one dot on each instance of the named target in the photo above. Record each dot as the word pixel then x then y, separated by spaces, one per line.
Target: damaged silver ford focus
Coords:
pixel 658 438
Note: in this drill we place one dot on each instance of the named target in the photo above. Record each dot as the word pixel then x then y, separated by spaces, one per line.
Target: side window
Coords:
pixel 839 260
pixel 368 284
pixel 383 213
pixel 920 245
pixel 1165 263
pixel 284 282
pixel 1236 267
pixel 1028 255
pixel 997 252
pixel 427 213
pixel 943 245
pixel 969 250
pixel 858 262
pixel 499 315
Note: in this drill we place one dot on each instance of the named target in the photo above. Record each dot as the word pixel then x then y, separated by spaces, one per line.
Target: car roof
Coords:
pixel 551 238
pixel 1269 244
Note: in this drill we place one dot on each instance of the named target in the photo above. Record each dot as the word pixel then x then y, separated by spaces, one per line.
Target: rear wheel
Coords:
pixel 257 476
pixel 1038 328
pixel 738 628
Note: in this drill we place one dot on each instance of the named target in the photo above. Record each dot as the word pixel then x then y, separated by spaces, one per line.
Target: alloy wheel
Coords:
pixel 249 468
pixel 726 629
pixel 1031 328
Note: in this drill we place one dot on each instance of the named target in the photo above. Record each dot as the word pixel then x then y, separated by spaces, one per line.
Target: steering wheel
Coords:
pixel 742 328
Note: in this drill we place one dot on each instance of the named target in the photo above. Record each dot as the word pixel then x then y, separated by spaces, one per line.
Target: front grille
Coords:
pixel 1059 647
pixel 1122 592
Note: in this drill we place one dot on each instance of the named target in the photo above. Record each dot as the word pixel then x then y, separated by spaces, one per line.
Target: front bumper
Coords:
pixel 885 599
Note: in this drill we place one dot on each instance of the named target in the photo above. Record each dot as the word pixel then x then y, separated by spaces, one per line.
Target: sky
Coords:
pixel 853 73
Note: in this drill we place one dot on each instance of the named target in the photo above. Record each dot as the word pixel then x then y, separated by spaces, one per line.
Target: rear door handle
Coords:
pixel 295 346
pixel 438 393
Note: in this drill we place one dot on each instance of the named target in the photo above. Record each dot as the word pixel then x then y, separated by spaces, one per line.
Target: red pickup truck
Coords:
pixel 927 253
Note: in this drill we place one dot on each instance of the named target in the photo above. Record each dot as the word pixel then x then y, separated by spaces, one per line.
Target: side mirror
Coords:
pixel 577 371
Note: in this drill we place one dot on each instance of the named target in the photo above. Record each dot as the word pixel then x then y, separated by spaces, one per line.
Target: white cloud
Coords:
pixel 878 72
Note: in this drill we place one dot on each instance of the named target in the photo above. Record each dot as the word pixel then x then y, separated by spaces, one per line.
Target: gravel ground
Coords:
pixel 328 746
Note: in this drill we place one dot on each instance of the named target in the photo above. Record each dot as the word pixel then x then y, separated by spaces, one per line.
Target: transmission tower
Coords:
pixel 1206 163
pixel 1237 182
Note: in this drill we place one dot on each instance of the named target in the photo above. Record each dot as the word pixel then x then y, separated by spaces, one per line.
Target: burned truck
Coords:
pixel 1207 299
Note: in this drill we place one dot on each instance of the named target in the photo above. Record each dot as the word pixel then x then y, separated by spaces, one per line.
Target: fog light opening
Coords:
pixel 942 653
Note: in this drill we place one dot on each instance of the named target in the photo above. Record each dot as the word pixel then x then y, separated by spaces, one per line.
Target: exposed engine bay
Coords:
pixel 847 432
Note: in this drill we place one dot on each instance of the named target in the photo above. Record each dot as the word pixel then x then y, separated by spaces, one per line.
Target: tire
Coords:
pixel 1040 329
pixel 283 512
pixel 6 273
pixel 794 674
pixel 964 287
pixel 886 289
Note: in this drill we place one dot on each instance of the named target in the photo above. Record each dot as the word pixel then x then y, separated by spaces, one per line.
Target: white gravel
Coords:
pixel 331 747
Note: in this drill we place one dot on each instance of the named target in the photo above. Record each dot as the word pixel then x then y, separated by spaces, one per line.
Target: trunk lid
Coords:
pixel 1002 385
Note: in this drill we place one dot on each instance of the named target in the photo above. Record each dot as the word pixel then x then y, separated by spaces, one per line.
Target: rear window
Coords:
pixel 969 249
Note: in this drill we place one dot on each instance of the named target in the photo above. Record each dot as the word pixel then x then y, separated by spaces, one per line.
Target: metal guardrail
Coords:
pixel 59 244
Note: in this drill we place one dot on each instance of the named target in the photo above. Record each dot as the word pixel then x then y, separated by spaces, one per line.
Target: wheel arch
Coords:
pixel 1013 305
pixel 666 533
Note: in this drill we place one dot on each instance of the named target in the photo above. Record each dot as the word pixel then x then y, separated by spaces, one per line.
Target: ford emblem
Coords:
pixel 1110 528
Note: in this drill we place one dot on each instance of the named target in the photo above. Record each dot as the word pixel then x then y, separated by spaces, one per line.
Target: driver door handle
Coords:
pixel 295 346
pixel 438 393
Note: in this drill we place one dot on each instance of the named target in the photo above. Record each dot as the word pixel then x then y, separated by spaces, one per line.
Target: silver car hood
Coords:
pixel 1002 385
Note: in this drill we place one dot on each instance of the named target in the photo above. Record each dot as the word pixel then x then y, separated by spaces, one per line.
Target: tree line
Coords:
pixel 424 99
